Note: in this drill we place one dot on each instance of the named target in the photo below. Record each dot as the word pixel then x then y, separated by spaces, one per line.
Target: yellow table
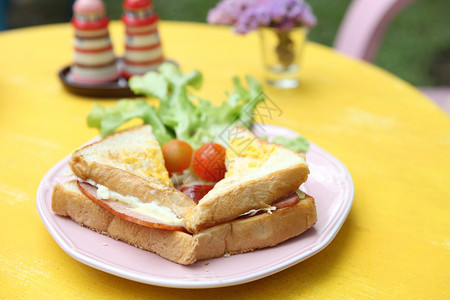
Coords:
pixel 395 143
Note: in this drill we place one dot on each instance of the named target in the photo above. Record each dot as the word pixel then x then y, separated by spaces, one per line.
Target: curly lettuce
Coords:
pixel 180 114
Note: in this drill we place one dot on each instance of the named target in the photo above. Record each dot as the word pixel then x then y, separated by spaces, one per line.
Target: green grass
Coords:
pixel 411 44
pixel 408 49
pixel 414 39
pixel 185 10
pixel 329 16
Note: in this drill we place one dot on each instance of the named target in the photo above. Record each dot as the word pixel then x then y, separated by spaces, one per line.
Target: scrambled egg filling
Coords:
pixel 148 161
pixel 246 154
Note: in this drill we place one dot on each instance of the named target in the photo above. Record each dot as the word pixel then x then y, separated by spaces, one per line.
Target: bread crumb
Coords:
pixel 104 244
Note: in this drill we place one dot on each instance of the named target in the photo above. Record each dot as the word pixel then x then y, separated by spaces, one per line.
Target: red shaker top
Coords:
pixel 137 4
pixel 138 13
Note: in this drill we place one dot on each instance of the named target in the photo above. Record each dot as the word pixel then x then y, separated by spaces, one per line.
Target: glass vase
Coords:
pixel 281 53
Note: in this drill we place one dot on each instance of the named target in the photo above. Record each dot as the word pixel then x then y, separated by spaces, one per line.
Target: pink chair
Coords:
pixel 362 29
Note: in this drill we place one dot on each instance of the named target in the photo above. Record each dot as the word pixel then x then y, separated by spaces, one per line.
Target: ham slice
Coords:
pixel 123 211
pixel 290 200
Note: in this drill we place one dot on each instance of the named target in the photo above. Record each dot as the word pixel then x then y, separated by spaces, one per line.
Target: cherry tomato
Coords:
pixel 196 192
pixel 209 162
pixel 177 155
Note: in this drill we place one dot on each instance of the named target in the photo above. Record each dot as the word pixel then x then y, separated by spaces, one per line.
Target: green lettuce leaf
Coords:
pixel 151 84
pixel 108 119
pixel 298 144
pixel 181 114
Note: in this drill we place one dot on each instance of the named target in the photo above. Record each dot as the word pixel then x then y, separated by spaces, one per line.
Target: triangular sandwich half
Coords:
pixel 259 174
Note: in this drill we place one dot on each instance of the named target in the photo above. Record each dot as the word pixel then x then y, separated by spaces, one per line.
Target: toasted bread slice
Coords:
pixel 259 173
pixel 238 236
pixel 130 163
pixel 177 246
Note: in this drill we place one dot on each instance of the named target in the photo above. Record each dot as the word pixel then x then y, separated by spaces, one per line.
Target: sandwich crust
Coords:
pixel 67 200
pixel 238 236
pixel 261 231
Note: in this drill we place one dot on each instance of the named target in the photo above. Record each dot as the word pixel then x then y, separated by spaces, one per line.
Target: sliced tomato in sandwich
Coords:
pixel 196 192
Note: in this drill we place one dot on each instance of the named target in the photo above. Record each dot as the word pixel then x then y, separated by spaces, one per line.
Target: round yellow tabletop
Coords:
pixel 395 143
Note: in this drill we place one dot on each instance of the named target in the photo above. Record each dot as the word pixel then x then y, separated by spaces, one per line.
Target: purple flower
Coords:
pixel 248 15
pixel 250 19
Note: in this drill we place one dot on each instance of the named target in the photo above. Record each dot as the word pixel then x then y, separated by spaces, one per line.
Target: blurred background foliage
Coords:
pixel 416 46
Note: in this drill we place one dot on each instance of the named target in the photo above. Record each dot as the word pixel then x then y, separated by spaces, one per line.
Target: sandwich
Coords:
pixel 124 188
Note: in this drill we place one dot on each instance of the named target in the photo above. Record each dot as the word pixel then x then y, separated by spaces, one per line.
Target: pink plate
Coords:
pixel 329 183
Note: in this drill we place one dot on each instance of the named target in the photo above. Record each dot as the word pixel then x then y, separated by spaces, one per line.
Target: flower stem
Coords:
pixel 285 48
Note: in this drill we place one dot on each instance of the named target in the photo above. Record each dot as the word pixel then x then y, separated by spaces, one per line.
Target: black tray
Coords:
pixel 114 89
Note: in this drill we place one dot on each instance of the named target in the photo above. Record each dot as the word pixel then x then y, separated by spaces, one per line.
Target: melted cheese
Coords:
pixel 253 212
pixel 301 195
pixel 149 209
